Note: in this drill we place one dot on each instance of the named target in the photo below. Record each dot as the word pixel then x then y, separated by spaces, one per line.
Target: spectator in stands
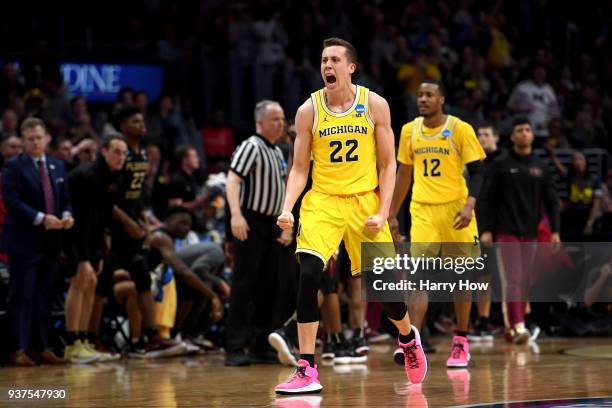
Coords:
pixel 584 197
pixel 184 188
pixel 156 180
pixel 189 134
pixel 536 99
pixel 556 136
pixel 9 147
pixel 79 121
pixel 9 124
pixel 218 140
pixel 413 73
pixel 141 101
pixel 61 149
pixel 85 151
pixel 168 120
pixel 125 98
pixel 272 41
pixel 31 238
pixel 586 133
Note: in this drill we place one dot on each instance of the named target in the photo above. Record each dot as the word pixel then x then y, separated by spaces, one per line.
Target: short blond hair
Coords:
pixel 31 123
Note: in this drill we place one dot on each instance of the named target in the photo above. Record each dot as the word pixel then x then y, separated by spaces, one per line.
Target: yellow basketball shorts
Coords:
pixel 326 220
pixel 432 231
pixel 165 312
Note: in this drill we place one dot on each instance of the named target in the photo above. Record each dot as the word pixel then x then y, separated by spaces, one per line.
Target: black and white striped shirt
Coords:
pixel 262 167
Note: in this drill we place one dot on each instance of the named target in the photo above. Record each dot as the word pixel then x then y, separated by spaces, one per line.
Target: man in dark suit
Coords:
pixel 38 207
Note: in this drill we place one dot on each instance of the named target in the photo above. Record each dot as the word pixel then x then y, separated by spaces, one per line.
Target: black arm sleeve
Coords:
pixel 476 172
pixel 487 203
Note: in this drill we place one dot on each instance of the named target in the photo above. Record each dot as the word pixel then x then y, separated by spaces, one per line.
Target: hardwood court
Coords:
pixel 500 373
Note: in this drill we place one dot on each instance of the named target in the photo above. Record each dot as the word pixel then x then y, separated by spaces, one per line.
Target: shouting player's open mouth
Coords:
pixel 330 79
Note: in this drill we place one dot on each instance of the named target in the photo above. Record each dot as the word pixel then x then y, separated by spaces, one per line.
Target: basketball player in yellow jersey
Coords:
pixel 345 128
pixel 435 148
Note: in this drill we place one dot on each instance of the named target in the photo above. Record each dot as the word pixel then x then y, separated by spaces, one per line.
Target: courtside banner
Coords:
pixel 501 272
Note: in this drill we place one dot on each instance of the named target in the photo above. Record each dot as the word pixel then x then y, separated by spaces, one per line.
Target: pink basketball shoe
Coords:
pixel 415 361
pixel 305 380
pixel 460 353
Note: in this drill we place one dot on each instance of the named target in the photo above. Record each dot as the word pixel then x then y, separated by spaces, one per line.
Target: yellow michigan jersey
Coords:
pixel 438 156
pixel 343 147
pixel 344 178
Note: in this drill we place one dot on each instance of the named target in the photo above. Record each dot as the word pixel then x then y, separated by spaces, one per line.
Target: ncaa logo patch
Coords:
pixel 360 109
pixel 446 133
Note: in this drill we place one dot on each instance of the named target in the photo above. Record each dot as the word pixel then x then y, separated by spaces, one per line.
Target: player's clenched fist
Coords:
pixel 285 220
pixel 374 223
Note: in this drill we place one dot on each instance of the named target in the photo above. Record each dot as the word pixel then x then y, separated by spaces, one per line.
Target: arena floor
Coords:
pixel 500 374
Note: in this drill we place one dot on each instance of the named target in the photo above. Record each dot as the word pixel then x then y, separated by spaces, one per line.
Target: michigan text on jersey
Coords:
pixel 337 130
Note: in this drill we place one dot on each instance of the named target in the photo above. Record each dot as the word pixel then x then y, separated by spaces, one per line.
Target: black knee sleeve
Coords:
pixel 139 273
pixel 311 269
pixel 395 310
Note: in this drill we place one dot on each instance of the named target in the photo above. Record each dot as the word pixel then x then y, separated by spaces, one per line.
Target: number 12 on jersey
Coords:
pixel 435 163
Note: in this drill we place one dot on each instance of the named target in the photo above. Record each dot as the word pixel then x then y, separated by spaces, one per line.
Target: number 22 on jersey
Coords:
pixel 336 154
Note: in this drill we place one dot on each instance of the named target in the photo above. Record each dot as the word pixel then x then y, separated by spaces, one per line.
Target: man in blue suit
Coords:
pixel 38 208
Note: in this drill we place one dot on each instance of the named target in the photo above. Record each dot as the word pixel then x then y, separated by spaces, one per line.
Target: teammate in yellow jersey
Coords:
pixel 435 147
pixel 347 129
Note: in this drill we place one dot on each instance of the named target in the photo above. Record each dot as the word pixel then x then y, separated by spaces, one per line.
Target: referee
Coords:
pixel 255 194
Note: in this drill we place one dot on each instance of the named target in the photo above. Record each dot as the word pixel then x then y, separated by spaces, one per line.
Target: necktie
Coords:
pixel 47 189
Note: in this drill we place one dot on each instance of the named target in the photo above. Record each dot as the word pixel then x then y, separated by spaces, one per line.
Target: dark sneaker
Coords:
pixel 360 345
pixel 138 349
pixel 341 353
pixel 329 349
pixel 481 333
pixel 280 341
pixel 159 347
pixel 355 357
pixel 237 359
pixel 346 354
pixel 374 336
pixel 398 356
pixel 264 357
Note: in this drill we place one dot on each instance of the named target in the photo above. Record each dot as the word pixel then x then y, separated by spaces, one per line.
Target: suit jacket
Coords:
pixel 24 198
